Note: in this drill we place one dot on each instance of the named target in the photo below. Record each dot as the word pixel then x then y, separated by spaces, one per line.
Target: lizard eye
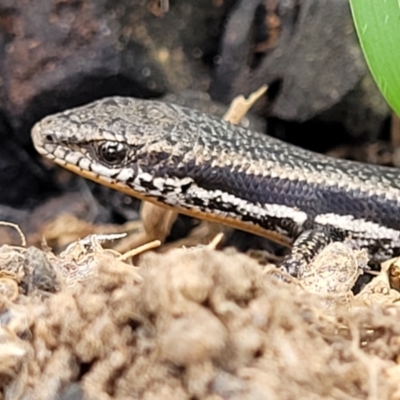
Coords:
pixel 50 138
pixel 112 153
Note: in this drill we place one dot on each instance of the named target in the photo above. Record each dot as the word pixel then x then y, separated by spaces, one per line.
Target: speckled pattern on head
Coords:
pixel 183 158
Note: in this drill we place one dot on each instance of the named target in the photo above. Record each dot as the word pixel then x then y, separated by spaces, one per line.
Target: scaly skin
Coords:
pixel 202 166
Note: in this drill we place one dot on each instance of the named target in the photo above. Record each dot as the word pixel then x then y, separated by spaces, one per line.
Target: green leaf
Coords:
pixel 378 26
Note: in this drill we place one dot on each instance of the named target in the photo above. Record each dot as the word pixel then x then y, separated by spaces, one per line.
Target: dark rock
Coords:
pixel 61 53
pixel 58 54
pixel 309 55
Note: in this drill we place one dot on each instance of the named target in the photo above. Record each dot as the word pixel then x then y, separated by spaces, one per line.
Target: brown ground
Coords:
pixel 193 323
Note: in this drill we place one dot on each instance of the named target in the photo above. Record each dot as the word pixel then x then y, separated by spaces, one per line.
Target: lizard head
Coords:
pixel 121 142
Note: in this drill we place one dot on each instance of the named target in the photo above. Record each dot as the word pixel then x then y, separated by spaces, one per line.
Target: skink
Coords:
pixel 202 166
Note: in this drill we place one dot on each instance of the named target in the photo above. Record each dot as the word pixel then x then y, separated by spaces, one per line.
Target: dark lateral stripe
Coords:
pixel 313 199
